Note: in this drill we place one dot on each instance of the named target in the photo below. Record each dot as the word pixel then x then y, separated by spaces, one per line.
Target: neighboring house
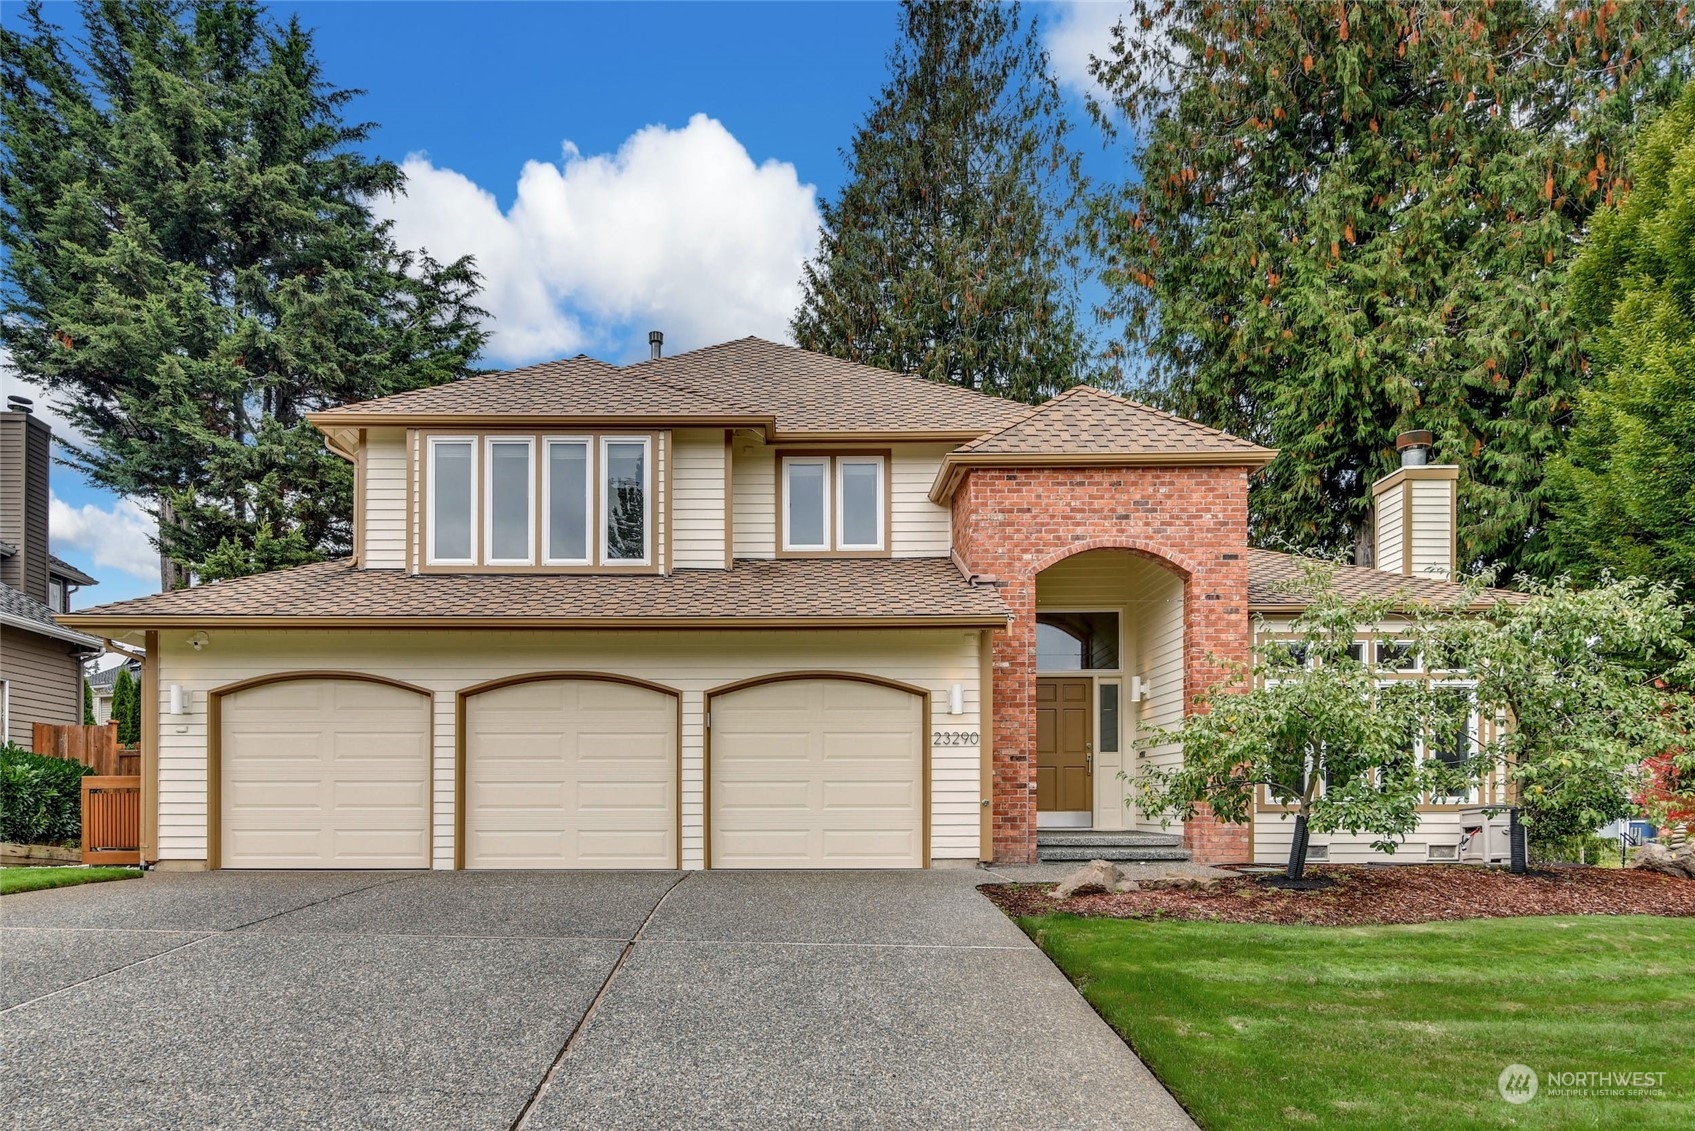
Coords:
pixel 101 684
pixel 743 607
pixel 41 661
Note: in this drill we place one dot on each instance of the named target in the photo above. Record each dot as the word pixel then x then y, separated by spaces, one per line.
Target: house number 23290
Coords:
pixel 954 738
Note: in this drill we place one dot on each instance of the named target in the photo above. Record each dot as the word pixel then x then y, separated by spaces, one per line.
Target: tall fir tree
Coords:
pixel 87 702
pixel 126 707
pixel 949 253
pixel 1624 489
pixel 1355 219
pixel 193 265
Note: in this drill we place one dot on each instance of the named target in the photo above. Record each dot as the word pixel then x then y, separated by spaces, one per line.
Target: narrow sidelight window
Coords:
pixel 806 503
pixel 859 502
pixel 452 500
pixel 511 478
pixel 625 482
pixel 567 490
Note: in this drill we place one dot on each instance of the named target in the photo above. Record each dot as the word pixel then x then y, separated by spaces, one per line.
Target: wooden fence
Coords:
pixel 111 819
pixel 95 747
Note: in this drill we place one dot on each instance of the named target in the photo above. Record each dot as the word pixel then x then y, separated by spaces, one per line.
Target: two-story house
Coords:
pixel 743 607
pixel 41 660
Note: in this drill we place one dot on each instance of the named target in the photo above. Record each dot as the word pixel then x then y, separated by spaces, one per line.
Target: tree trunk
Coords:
pixel 1515 843
pixel 1298 849
pixel 171 575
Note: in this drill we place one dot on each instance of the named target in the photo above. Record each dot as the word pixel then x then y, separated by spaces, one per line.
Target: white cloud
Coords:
pixel 117 537
pixel 13 384
pixel 1075 31
pixel 679 230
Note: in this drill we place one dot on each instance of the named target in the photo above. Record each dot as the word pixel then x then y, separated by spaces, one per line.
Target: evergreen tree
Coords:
pixel 947 254
pixel 192 266
pixel 1355 219
pixel 126 707
pixel 1624 491
pixel 87 703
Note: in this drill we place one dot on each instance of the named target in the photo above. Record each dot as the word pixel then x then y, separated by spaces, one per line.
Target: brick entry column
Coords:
pixel 1014 523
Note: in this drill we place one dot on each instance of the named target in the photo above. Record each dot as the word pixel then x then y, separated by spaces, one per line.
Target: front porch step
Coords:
pixel 1054 846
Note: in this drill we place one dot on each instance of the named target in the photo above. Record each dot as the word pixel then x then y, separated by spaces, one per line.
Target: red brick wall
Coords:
pixel 1015 523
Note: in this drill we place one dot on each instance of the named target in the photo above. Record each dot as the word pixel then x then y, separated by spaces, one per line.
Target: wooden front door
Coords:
pixel 1065 751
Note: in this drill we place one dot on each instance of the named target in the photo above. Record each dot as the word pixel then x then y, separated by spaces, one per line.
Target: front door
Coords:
pixel 1065 751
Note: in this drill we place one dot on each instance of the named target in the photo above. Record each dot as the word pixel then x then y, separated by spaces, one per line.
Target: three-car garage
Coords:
pixel 569 769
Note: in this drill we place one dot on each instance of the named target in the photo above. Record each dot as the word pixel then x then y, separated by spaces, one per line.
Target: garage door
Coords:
pixel 817 773
pixel 325 773
pixel 571 773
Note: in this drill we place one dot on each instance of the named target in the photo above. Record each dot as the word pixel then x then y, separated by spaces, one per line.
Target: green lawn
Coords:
pixel 1257 1027
pixel 35 879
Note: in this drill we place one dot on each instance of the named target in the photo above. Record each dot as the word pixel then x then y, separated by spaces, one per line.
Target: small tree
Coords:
pixel 1326 729
pixel 1595 686
pixel 126 707
pixel 87 703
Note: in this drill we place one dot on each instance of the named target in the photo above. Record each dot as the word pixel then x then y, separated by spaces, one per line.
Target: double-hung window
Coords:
pixel 834 503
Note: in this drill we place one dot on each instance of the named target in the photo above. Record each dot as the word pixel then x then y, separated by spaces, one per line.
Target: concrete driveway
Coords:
pixel 547 1001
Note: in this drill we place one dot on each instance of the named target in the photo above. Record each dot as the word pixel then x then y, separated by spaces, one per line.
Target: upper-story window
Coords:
pixel 539 501
pixel 58 595
pixel 834 503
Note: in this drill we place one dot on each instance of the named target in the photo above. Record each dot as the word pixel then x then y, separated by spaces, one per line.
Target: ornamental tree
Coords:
pixel 1329 731
pixel 1594 685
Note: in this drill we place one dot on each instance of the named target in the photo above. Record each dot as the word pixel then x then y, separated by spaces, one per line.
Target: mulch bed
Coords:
pixel 1365 895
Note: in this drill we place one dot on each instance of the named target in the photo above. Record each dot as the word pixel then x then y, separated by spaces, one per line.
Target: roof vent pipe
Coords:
pixel 656 343
pixel 20 404
pixel 1415 448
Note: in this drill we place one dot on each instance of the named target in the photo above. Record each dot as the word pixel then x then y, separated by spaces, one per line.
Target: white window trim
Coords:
pixel 529 444
pixel 430 557
pixel 646 442
pixel 1473 727
pixel 587 444
pixel 839 490
pixel 828 500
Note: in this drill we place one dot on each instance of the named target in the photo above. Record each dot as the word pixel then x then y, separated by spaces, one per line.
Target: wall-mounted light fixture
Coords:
pixel 956 700
pixel 178 699
pixel 1139 689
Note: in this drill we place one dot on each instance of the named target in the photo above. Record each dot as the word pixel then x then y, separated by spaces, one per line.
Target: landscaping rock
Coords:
pixel 1659 858
pixel 1095 877
pixel 1181 883
pixel 1127 885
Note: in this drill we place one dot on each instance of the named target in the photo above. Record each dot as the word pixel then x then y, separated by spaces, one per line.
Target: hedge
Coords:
pixel 40 797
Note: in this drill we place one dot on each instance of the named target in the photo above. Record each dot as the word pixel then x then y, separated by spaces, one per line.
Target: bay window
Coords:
pixel 834 503
pixel 525 502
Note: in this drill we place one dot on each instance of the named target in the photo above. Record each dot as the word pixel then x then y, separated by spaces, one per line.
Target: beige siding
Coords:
pixel 385 499
pixel 1432 527
pixel 919 528
pixel 690 662
pixel 1389 551
pixel 25 464
pixel 697 504
pixel 1273 833
pixel 1149 598
pixel 43 683
pixel 754 499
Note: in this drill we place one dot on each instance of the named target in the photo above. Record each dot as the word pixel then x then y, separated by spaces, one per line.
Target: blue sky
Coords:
pixel 614 168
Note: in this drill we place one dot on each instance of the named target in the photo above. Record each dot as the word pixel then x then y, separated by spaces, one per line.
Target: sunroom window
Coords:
pixel 834 503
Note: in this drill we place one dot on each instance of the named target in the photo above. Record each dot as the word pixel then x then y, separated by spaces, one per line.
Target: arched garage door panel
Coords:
pixel 817 773
pixel 324 773
pixel 571 773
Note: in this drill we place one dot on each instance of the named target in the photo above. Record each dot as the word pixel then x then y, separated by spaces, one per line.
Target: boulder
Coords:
pixel 1094 877
pixel 1659 858
pixel 1127 885
pixel 1181 883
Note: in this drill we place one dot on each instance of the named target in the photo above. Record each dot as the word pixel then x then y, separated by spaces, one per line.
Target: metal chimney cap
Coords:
pixel 1416 439
pixel 20 404
pixel 656 343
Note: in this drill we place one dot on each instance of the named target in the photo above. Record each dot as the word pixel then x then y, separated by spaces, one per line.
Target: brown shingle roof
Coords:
pixel 1089 421
pixel 573 387
pixel 812 392
pixel 850 592
pixel 1270 573
pixel 752 381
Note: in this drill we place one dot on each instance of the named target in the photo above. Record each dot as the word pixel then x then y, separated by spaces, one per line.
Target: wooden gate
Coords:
pixel 111 819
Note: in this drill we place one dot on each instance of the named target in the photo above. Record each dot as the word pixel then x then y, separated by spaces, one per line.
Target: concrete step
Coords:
pixel 1108 837
pixel 1122 854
